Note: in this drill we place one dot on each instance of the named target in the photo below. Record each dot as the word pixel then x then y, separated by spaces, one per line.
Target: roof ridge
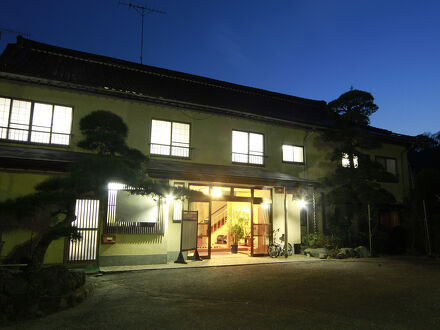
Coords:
pixel 129 66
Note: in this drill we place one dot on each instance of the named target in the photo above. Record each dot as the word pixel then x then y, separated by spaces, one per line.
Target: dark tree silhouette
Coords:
pixel 50 211
pixel 352 187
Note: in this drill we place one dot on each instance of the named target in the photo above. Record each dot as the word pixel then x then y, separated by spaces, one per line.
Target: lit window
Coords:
pixel 346 161
pixel 48 123
pixel 178 204
pixel 389 164
pixel 247 147
pixel 124 207
pixel 169 138
pixel 293 154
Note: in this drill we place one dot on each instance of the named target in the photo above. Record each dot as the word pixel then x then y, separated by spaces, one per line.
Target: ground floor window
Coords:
pixel 134 214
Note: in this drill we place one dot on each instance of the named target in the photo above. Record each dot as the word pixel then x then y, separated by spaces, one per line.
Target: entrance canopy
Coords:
pixel 222 173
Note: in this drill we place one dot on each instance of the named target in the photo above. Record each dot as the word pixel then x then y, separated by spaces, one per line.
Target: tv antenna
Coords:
pixel 141 10
pixel 7 31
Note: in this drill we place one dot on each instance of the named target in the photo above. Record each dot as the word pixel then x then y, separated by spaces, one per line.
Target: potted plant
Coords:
pixel 237 233
pixel 238 229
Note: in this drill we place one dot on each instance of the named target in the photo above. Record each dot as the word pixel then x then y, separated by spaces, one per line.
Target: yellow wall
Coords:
pixel 211 136
pixel 129 244
pixel 293 218
pixel 18 183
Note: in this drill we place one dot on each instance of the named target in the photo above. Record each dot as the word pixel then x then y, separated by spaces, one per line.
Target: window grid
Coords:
pixel 293 154
pixel 247 148
pixel 19 120
pixel 35 122
pixel 170 138
pixel 390 164
pixel 346 161
pixel 5 109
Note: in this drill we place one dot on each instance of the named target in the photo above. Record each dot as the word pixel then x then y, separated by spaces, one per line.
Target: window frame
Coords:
pixel 171 139
pixel 263 156
pixel 178 184
pixel 292 162
pixel 29 131
pixel 395 163
pixel 348 165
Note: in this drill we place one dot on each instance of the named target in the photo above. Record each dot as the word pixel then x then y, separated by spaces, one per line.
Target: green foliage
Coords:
pixel 237 233
pixel 104 132
pixel 239 225
pixel 354 107
pixel 317 240
pixel 50 211
pixel 350 189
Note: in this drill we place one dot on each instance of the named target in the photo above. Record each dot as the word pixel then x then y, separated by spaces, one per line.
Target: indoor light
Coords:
pixel 115 186
pixel 265 206
pixel 169 198
pixel 216 192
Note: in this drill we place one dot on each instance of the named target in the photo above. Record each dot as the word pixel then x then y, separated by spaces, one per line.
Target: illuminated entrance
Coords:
pixel 232 220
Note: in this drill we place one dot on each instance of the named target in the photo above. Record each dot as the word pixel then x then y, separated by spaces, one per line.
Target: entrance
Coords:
pixel 230 225
pixel 234 224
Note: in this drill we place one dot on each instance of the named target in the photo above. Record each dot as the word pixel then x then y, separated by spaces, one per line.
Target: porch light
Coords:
pixel 115 186
pixel 302 204
pixel 216 192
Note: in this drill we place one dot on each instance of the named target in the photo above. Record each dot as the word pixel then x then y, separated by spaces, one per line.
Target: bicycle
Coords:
pixel 276 249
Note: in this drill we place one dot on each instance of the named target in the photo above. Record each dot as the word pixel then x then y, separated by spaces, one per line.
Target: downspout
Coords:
pixel 305 173
pixel 285 224
pixel 305 153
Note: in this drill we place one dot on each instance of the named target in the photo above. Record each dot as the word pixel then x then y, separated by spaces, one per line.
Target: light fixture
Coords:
pixel 265 206
pixel 115 186
pixel 169 198
pixel 302 204
pixel 216 192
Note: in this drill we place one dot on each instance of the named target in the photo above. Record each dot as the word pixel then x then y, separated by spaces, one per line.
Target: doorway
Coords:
pixel 224 223
pixel 230 225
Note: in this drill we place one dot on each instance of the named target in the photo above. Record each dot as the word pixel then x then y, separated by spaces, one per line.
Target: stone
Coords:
pixel 345 253
pixel 56 280
pixel 316 252
pixel 323 256
pixel 15 285
pixel 362 252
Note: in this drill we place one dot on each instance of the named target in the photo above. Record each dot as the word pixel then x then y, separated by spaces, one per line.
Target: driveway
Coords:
pixel 392 293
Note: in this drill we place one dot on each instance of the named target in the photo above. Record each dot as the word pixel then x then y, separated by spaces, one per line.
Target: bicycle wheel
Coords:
pixel 289 249
pixel 272 251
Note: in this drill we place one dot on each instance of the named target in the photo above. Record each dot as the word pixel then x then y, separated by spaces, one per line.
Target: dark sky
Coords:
pixel 309 48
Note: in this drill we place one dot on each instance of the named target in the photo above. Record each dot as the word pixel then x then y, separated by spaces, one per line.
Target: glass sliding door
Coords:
pixel 261 228
pixel 261 221
pixel 203 227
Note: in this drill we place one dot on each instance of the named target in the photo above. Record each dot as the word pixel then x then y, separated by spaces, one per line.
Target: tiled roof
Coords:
pixel 38 60
pixel 58 160
pixel 34 60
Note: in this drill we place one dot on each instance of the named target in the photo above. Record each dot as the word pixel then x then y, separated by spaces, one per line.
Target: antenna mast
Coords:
pixel 13 32
pixel 141 10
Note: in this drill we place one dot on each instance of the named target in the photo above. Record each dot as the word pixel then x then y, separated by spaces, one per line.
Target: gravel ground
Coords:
pixel 385 293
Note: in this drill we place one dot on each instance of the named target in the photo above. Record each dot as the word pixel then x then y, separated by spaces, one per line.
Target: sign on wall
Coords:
pixel 189 230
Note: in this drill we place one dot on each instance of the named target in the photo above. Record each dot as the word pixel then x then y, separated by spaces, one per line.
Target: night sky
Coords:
pixel 312 49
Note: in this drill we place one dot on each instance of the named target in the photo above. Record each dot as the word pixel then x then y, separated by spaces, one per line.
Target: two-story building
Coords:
pixel 248 150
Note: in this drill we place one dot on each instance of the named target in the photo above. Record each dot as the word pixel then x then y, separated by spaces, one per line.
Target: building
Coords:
pixel 247 149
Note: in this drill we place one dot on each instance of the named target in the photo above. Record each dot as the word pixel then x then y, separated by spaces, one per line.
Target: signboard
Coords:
pixel 135 208
pixel 189 231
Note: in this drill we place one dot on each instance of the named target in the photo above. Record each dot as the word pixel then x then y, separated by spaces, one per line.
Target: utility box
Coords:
pixel 108 239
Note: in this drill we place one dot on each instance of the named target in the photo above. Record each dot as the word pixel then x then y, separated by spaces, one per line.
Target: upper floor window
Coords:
pixel 169 138
pixel 389 164
pixel 35 122
pixel 293 154
pixel 247 147
pixel 346 161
